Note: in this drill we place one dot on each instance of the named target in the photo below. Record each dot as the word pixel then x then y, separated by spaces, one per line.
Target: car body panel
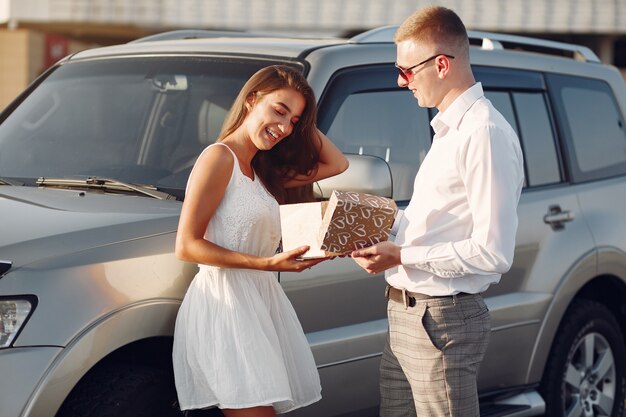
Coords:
pixel 39 216
pixel 26 367
pixel 154 318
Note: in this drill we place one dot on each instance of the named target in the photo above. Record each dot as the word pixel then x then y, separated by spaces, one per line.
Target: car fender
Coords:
pixel 576 278
pixel 129 324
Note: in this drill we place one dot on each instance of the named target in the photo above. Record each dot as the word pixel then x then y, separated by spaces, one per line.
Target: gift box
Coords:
pixel 347 221
pixel 300 225
pixel 355 220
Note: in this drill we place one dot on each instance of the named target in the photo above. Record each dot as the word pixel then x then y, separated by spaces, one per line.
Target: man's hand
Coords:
pixel 377 258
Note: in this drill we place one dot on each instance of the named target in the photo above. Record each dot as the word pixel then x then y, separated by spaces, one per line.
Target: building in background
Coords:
pixel 35 33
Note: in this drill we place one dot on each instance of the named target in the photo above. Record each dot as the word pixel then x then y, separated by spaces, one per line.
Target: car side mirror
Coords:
pixel 366 173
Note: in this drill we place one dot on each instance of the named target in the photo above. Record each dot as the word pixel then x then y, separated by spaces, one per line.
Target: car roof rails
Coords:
pixel 195 34
pixel 494 41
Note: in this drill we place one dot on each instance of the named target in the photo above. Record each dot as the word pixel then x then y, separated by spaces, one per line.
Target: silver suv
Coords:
pixel 95 155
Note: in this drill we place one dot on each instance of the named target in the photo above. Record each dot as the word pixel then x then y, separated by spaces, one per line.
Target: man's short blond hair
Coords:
pixel 435 25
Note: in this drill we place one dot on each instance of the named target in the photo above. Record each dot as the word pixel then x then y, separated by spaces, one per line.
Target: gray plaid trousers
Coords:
pixel 432 356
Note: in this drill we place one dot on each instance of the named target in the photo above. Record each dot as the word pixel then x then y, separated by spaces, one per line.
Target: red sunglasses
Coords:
pixel 407 73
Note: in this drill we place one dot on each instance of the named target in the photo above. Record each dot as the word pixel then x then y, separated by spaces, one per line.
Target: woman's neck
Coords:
pixel 243 149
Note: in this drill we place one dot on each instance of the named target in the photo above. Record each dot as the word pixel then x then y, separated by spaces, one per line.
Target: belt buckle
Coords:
pixel 412 301
pixel 405 299
pixel 408 300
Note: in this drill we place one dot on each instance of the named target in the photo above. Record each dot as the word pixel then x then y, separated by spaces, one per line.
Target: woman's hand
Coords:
pixel 289 262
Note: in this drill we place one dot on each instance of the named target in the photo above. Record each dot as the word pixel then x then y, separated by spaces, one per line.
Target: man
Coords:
pixel 456 236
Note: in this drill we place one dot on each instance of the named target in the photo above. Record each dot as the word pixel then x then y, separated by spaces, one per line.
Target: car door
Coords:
pixel 552 234
pixel 595 135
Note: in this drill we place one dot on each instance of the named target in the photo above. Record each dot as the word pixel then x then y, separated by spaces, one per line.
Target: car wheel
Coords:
pixel 585 375
pixel 123 390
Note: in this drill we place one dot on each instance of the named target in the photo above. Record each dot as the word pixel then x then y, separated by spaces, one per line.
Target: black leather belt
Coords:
pixel 409 298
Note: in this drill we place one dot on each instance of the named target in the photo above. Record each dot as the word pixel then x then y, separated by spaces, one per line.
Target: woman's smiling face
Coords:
pixel 272 116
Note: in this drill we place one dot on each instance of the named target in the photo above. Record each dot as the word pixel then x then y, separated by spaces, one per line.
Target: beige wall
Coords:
pixel 22 59
pixel 22 56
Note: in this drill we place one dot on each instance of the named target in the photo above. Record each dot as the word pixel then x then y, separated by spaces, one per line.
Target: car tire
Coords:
pixel 577 383
pixel 123 390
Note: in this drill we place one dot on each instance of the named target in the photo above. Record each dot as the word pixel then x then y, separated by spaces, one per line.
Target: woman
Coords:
pixel 238 344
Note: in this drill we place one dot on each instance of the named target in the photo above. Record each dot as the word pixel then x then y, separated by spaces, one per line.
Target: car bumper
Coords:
pixel 21 369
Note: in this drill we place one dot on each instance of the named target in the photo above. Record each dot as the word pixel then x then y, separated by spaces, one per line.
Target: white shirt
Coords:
pixel 458 232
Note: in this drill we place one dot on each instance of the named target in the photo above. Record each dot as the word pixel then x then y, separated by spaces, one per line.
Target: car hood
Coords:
pixel 44 223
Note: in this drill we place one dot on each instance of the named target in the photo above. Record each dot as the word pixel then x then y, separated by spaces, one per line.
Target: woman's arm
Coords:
pixel 332 162
pixel 205 191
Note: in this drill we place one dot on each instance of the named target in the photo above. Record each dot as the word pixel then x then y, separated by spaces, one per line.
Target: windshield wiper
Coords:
pixel 104 184
pixel 6 181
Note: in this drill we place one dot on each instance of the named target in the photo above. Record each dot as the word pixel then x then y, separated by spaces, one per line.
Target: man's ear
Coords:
pixel 443 66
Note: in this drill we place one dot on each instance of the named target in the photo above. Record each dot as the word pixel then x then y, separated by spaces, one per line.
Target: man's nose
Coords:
pixel 402 82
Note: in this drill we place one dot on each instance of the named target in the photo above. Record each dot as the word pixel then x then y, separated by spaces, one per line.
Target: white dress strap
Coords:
pixel 235 158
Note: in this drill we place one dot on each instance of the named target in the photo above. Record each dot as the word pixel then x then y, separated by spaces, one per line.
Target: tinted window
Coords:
pixel 366 113
pixel 521 98
pixel 537 138
pixel 592 125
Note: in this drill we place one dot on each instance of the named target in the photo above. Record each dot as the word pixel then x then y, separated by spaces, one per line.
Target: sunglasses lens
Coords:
pixel 403 74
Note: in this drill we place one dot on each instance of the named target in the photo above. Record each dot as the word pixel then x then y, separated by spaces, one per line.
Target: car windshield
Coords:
pixel 137 120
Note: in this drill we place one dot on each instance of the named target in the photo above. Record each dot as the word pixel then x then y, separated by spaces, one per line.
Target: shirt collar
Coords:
pixel 451 118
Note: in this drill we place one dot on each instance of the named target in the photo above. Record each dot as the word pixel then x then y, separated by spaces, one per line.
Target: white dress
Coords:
pixel 238 342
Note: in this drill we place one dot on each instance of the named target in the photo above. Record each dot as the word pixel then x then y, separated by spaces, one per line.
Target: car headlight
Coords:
pixel 14 312
pixel 4 267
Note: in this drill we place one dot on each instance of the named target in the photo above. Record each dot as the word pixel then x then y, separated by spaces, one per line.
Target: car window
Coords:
pixel 364 112
pixel 537 137
pixel 592 126
pixel 139 120
pixel 528 114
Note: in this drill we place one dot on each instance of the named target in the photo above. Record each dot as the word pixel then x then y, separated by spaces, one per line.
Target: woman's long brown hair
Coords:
pixel 296 154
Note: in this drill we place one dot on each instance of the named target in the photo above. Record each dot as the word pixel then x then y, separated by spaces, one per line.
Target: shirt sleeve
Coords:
pixel 491 168
pixel 396 224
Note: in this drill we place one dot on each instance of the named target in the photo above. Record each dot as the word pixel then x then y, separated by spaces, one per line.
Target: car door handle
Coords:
pixel 556 217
